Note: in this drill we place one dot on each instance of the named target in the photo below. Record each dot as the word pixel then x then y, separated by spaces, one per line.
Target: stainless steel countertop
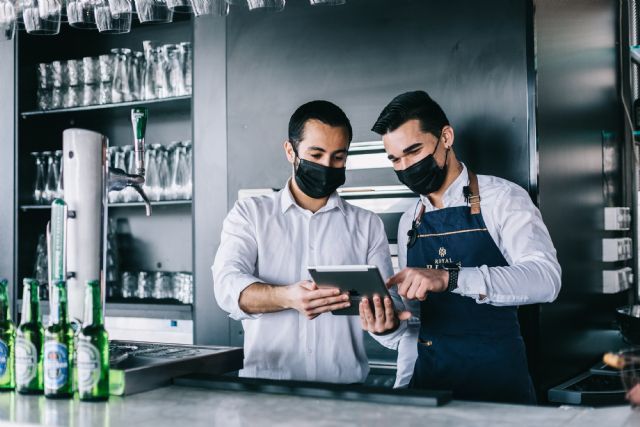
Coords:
pixel 183 406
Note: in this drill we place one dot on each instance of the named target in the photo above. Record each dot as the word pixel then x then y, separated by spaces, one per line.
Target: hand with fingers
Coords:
pixel 416 283
pixel 380 317
pixel 310 300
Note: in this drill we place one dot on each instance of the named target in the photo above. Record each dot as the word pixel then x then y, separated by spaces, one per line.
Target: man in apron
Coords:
pixel 472 250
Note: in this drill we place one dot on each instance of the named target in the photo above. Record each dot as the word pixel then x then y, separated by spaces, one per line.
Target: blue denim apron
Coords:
pixel 474 350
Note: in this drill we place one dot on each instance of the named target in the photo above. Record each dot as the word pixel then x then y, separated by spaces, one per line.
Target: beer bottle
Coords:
pixel 29 340
pixel 93 348
pixel 7 340
pixel 58 346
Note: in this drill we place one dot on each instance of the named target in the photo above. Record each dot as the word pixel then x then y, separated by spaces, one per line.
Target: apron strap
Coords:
pixel 472 193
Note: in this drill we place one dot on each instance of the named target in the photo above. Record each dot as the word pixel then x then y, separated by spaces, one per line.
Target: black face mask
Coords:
pixel 318 181
pixel 424 177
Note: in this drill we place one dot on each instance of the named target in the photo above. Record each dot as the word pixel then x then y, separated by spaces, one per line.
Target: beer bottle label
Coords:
pixel 56 365
pixel 26 361
pixel 4 357
pixel 88 366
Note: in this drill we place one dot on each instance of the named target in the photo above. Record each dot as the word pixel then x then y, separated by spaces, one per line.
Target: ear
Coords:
pixel 448 136
pixel 288 150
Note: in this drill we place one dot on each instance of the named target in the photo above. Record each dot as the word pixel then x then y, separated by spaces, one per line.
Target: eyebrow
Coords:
pixel 322 150
pixel 406 150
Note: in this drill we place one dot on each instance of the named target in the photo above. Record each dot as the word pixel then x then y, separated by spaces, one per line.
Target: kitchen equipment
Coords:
pixel 628 363
pixel 600 386
pixel 137 366
pixel 88 177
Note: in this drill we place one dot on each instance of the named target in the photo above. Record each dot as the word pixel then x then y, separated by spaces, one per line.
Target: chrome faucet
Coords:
pixel 117 179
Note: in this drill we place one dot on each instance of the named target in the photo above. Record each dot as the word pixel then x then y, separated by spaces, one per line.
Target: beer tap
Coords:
pixel 118 179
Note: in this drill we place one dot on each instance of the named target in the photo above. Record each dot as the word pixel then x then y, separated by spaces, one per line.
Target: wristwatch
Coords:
pixel 453 270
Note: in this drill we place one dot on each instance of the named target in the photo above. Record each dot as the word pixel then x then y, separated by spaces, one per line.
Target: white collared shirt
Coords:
pixel 515 224
pixel 270 239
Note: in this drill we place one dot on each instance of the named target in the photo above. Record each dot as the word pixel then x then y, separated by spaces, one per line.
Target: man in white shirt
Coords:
pixel 473 249
pixel 260 271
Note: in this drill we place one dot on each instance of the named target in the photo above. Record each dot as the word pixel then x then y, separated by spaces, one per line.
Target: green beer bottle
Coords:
pixel 58 346
pixel 7 340
pixel 29 340
pixel 93 348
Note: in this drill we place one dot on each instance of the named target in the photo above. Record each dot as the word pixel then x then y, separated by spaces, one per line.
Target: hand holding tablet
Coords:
pixel 358 280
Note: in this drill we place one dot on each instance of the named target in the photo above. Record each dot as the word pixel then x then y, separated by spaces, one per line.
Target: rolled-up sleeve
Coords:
pixel 380 250
pixel 533 274
pixel 234 267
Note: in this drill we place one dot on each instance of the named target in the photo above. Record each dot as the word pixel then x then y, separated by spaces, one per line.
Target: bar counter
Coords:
pixel 186 406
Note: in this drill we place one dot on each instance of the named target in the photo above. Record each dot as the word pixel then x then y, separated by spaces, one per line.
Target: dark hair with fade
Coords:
pixel 416 105
pixel 324 111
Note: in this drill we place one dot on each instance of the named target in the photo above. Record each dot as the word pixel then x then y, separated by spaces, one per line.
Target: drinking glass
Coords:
pixel 116 160
pixel 136 74
pixel 41 17
pixel 58 83
pixel 174 71
pixel 41 265
pixel 73 90
pixel 145 285
pixel 59 192
pixel 149 87
pixel 129 194
pixel 106 79
pixel 7 19
pixel 266 5
pixel 210 7
pixel 179 6
pixel 89 81
pixel 164 174
pixel 121 87
pixel 38 187
pixel 44 86
pixel 185 54
pixel 153 11
pixel 113 16
pixel 162 285
pixel 129 283
pixel 188 154
pixel 81 14
pixel 52 185
pixel 152 179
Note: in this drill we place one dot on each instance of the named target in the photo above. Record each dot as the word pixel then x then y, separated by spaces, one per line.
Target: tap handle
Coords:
pixel 139 121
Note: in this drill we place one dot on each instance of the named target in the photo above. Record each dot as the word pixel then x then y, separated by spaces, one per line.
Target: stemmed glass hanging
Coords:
pixel 113 16
pixel 41 17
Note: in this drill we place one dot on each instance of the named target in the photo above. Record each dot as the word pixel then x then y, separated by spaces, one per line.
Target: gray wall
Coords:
pixel 7 161
pixel 577 101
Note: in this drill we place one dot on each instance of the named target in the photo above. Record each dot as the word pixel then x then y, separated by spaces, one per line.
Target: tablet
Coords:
pixel 359 280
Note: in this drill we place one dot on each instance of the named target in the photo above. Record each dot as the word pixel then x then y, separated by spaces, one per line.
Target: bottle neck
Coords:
pixel 30 304
pixel 58 306
pixel 5 314
pixel 93 306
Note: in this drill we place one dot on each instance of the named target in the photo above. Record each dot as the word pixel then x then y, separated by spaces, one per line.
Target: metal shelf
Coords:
pixel 145 310
pixel 25 208
pixel 120 105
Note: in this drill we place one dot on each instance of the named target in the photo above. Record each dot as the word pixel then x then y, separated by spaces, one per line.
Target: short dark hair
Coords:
pixel 324 111
pixel 417 105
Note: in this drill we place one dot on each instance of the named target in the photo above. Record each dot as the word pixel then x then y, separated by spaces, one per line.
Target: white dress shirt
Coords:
pixel 515 224
pixel 270 239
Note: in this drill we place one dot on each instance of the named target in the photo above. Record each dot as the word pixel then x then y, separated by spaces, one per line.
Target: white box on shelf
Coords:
pixel 617 249
pixel 150 330
pixel 617 219
pixel 614 281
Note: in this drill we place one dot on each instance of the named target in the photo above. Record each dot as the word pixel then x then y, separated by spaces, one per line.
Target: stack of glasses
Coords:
pixel 168 172
pixel 156 285
pixel 48 183
pixel 161 71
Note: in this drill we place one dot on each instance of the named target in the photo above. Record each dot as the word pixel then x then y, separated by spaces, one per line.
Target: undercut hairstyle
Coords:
pixel 417 105
pixel 324 111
